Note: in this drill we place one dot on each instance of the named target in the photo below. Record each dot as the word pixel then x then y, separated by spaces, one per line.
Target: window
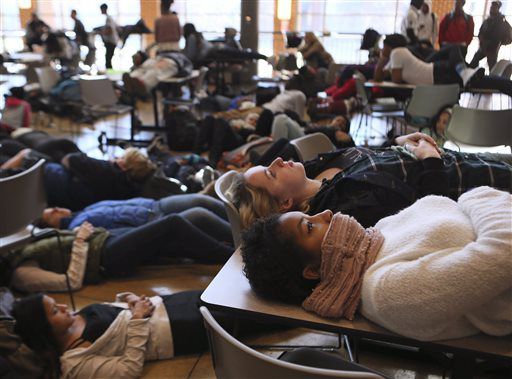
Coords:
pixel 126 12
pixel 10 26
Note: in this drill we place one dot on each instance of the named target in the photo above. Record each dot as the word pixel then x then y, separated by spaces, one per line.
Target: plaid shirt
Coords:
pixel 376 183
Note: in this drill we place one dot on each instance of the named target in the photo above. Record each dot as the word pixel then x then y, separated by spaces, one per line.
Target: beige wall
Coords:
pixel 149 12
pixel 25 14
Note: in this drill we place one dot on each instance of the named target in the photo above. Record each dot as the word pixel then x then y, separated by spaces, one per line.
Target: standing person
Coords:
pixel 457 27
pixel 82 39
pixel 314 52
pixel 491 35
pixel 410 22
pixel 167 28
pixel 428 23
pixel 109 36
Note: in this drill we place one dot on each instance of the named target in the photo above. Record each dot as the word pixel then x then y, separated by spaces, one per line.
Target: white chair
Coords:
pixel 232 360
pixel 99 95
pixel 47 77
pixel 309 146
pixel 427 101
pixel 222 185
pixel 480 127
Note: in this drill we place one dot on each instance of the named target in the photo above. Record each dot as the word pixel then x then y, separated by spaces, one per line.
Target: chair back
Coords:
pixel 480 127
pixel 309 146
pixel 47 78
pixel 361 91
pixel 232 359
pixel 503 68
pixel 427 101
pixel 97 91
pixel 22 199
pixel 222 186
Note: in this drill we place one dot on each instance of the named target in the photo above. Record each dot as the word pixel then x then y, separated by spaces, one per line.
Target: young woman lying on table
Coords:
pixel 438 269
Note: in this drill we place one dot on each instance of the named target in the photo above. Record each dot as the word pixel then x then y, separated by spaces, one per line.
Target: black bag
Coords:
pixel 181 126
pixel 266 94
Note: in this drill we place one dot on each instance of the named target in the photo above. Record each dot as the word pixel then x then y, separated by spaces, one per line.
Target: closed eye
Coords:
pixel 309 226
pixel 270 174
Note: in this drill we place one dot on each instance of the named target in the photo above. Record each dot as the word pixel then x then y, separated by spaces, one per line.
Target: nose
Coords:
pixel 324 216
pixel 278 162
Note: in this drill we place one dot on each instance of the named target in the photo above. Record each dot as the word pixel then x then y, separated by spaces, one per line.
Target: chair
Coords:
pixel 427 101
pixel 382 108
pixel 99 95
pixel 47 78
pixel 233 359
pixel 22 200
pixel 480 127
pixel 309 146
pixel 222 186
pixel 503 68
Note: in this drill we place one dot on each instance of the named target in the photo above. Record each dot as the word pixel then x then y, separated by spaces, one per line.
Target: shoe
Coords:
pixel 470 74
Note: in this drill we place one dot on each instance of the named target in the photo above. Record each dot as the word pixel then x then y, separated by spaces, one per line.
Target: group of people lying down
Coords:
pixel 417 239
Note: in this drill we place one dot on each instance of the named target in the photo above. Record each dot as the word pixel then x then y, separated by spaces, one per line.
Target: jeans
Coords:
pixel 445 61
pixel 171 236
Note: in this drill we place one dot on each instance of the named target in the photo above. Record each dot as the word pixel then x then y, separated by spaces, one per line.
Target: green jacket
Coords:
pixel 47 254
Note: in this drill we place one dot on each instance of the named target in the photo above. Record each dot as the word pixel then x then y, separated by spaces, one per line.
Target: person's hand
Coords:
pixel 414 138
pixel 142 308
pixel 423 150
pixel 84 231
pixel 342 136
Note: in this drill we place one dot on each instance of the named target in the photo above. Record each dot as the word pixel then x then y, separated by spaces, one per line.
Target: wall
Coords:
pixel 149 12
pixel 25 14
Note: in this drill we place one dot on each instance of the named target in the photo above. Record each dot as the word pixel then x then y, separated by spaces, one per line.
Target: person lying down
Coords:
pixel 438 269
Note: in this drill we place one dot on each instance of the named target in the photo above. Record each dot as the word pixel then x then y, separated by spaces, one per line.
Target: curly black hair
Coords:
pixel 395 40
pixel 273 263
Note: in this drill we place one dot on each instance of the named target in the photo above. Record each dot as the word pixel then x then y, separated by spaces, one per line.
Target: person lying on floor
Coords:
pixel 203 211
pixel 92 254
pixel 47 147
pixel 111 339
pixel 78 180
pixel 438 269
pixel 368 184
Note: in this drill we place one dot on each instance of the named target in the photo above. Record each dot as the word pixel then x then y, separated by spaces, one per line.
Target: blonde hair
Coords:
pixel 254 203
pixel 138 166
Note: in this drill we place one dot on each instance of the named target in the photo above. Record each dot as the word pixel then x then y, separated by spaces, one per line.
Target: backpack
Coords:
pixel 16 113
pixel 181 129
pixel 506 38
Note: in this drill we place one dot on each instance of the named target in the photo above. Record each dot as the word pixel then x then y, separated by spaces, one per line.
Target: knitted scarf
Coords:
pixel 348 250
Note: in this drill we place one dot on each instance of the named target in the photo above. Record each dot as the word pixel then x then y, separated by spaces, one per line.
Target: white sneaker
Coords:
pixel 470 74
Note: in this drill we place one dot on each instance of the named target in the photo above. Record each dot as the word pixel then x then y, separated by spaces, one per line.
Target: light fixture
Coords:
pixel 25 4
pixel 284 10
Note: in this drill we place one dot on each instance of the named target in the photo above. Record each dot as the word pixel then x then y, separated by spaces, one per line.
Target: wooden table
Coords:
pixel 230 291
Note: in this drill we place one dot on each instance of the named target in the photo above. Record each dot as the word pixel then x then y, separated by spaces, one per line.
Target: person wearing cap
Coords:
pixel 491 35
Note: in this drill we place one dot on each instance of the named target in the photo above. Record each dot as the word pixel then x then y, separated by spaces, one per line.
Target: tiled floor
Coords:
pixel 163 280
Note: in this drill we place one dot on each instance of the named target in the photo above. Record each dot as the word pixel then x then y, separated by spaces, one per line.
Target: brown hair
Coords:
pixel 138 166
pixel 254 203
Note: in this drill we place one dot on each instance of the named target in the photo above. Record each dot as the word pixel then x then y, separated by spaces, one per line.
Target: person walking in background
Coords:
pixel 82 39
pixel 428 23
pixel 167 28
pixel 457 28
pixel 410 22
pixel 109 35
pixel 495 31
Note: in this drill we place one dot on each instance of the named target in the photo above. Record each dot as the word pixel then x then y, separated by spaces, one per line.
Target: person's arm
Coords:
pixel 129 365
pixel 31 278
pixel 190 49
pixel 396 75
pixel 421 296
pixel 470 31
pixel 380 71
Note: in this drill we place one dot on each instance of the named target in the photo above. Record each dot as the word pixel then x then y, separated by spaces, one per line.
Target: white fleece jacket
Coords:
pixel 445 269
